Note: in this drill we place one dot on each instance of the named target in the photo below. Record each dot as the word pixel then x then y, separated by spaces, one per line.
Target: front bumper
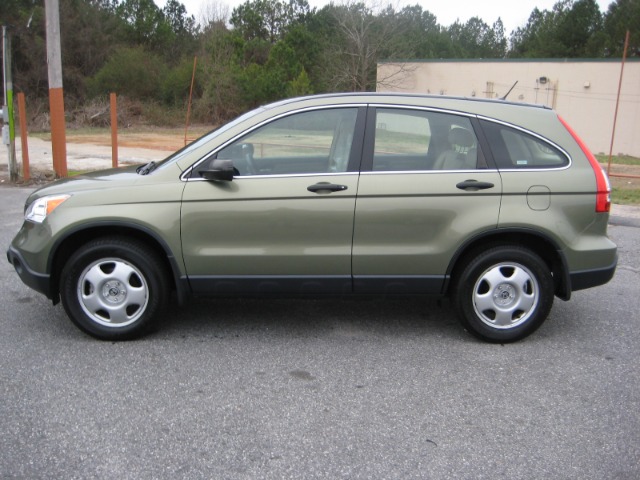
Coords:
pixel 40 282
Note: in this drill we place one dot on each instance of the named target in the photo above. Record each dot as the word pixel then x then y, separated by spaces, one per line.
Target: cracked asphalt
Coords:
pixel 322 388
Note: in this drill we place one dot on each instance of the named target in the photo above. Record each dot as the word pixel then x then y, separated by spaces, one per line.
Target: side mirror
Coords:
pixel 219 170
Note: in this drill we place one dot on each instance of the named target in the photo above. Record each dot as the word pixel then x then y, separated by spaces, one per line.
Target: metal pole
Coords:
pixel 114 129
pixel 8 106
pixel 56 96
pixel 22 113
pixel 615 115
pixel 193 77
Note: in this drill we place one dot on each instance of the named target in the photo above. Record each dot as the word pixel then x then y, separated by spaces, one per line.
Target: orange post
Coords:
pixel 114 130
pixel 22 112
pixel 58 132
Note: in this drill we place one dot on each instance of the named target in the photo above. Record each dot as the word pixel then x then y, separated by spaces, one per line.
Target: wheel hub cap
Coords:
pixel 504 295
pixel 114 292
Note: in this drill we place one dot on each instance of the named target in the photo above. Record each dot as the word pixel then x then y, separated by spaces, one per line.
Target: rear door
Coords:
pixel 425 189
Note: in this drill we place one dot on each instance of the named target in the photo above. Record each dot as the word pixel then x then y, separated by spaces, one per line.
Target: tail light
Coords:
pixel 603 194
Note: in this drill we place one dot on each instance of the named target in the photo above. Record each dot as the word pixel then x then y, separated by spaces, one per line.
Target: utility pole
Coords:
pixel 56 97
pixel 9 128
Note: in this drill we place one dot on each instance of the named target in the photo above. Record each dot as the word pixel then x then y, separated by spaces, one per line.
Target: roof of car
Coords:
pixel 373 95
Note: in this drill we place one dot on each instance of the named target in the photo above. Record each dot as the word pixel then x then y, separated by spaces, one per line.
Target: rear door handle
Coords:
pixel 326 187
pixel 474 185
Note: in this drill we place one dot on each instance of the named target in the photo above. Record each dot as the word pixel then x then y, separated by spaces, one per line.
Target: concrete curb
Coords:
pixel 625 216
pixel 627 211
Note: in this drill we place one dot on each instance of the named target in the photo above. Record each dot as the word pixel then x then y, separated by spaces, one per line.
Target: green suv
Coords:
pixel 499 206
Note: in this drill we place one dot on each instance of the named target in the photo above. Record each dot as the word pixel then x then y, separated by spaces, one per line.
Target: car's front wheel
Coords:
pixel 112 288
pixel 503 294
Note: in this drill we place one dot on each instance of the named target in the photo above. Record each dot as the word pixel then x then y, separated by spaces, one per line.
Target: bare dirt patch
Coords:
pixel 168 140
pixel 147 140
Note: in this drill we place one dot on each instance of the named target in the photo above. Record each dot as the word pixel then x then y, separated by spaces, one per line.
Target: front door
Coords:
pixel 285 222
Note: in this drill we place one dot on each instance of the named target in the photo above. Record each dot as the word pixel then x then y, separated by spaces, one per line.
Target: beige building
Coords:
pixel 583 92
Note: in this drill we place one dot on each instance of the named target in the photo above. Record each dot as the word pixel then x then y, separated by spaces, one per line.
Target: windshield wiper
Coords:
pixel 146 169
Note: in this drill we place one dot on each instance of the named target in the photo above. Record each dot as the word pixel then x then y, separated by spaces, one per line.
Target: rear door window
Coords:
pixel 412 140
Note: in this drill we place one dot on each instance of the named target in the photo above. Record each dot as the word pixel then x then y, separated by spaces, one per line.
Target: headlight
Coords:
pixel 41 208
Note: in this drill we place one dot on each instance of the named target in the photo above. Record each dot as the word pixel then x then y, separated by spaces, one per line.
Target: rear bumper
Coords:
pixel 592 278
pixel 40 282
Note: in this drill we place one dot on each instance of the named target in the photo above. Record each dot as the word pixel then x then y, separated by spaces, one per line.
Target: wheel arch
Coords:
pixel 74 239
pixel 545 247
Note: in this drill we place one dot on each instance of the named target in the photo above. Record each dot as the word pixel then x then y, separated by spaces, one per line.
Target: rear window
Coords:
pixel 515 149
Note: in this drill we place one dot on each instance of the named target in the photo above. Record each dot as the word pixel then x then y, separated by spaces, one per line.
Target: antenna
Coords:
pixel 507 94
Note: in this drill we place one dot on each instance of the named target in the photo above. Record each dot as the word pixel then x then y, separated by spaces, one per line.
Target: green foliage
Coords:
pixel 476 39
pixel 578 27
pixel 161 115
pixel 299 86
pixel 272 80
pixel 99 31
pixel 29 69
pixel 219 64
pixel 175 15
pixel 622 16
pixel 268 20
pixel 280 48
pixel 132 72
pixel 145 23
pixel 421 34
pixel 572 29
pixel 184 32
pixel 303 45
pixel 177 83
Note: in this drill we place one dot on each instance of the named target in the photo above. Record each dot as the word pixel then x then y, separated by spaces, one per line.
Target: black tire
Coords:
pixel 112 288
pixel 503 294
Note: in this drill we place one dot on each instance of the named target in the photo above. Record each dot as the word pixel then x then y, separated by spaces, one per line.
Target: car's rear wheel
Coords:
pixel 112 288
pixel 503 294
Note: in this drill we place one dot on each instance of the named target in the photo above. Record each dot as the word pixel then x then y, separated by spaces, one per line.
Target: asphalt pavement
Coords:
pixel 370 388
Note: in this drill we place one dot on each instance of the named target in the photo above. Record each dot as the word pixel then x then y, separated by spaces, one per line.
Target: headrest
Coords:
pixel 247 148
pixel 461 137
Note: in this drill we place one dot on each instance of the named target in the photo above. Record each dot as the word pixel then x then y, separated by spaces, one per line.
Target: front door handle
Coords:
pixel 474 185
pixel 326 187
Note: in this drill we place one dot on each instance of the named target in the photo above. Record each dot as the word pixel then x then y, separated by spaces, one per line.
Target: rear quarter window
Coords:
pixel 515 149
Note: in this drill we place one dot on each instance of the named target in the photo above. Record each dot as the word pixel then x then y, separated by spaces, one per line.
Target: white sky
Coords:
pixel 514 13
